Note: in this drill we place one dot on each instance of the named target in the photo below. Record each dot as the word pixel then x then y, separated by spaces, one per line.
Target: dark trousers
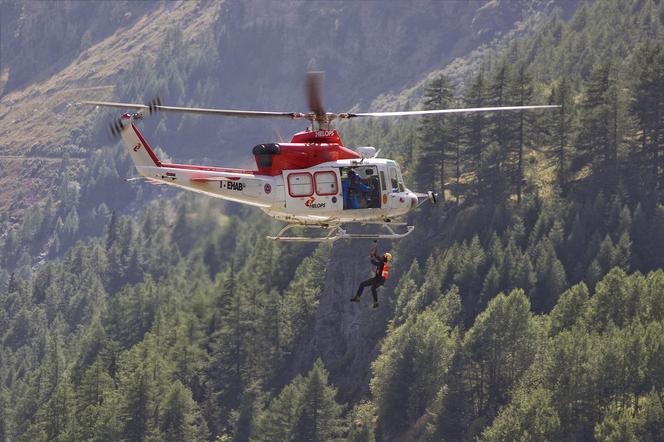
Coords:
pixel 374 282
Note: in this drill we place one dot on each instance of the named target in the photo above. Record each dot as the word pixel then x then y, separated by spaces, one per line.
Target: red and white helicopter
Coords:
pixel 312 181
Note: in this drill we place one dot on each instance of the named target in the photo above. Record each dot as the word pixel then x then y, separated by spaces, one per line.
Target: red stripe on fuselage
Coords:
pixel 148 149
pixel 212 169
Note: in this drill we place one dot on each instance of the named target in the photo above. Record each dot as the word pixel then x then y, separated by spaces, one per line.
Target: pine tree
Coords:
pixel 56 418
pixel 648 105
pixel 305 410
pixel 277 421
pixel 320 416
pixel 476 96
pixel 530 416
pixel 434 137
pixel 560 124
pixel 600 134
pixel 3 416
pixel 404 291
pixel 502 133
pixel 109 419
pixel 569 309
pixel 300 300
pixel 361 423
pixel 180 420
pixel 137 398
pixel 454 408
pixel 524 94
pixel 113 231
pixel 411 368
pixel 499 348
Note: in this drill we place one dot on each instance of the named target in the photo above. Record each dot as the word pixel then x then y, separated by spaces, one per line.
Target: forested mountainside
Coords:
pixel 528 305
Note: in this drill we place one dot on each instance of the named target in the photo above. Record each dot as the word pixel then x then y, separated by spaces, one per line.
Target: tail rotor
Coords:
pixel 118 125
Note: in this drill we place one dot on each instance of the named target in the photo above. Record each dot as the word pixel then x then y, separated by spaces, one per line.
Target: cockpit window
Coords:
pixel 402 188
pixel 382 181
pixel 393 179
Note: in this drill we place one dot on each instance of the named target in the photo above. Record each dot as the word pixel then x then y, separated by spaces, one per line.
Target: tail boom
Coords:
pixel 239 185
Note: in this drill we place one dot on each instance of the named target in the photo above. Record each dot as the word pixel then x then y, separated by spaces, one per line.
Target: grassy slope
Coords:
pixel 44 119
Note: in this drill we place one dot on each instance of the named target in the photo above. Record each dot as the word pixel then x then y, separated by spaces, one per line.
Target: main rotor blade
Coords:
pixel 444 111
pixel 196 110
pixel 314 96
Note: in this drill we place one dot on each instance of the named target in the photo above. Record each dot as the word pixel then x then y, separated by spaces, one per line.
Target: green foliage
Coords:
pixel 570 308
pixel 435 142
pixel 304 410
pixel 529 417
pixel 125 319
pixel 500 347
pixel 300 299
pixel 361 423
pixel 411 369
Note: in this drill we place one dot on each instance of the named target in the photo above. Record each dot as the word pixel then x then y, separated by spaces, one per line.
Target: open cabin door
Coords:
pixel 363 187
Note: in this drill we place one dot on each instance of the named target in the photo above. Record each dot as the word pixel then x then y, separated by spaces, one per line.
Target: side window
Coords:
pixel 326 183
pixel 393 179
pixel 300 184
pixel 382 181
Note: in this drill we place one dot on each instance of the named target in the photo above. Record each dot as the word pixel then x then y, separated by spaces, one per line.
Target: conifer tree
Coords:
pixel 3 416
pixel 361 423
pixel 476 96
pixel 300 300
pixel 435 142
pixel 304 410
pixel 500 346
pixel 180 420
pixel 648 106
pixel 600 133
pixel 136 408
pixel 560 124
pixel 320 415
pixel 502 132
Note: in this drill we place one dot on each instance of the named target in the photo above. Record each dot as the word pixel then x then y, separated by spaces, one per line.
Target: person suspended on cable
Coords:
pixel 381 273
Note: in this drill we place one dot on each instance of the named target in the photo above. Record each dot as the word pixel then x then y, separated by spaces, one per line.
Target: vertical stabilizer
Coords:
pixel 139 149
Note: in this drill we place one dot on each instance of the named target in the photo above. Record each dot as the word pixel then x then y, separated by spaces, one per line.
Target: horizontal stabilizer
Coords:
pixel 146 179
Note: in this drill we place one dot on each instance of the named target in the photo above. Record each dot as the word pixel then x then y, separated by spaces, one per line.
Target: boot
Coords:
pixel 355 299
pixel 375 304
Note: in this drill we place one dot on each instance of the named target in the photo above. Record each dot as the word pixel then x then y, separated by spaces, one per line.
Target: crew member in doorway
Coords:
pixel 355 191
pixel 381 273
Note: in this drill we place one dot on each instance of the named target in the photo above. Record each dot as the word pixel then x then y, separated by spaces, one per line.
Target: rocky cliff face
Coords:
pixel 347 335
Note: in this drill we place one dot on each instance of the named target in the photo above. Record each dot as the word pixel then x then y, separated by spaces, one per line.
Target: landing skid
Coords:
pixel 336 232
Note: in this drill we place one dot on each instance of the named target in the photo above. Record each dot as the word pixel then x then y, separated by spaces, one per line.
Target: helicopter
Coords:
pixel 314 181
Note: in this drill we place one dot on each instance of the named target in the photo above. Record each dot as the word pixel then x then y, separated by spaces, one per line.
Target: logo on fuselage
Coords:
pixel 324 133
pixel 136 147
pixel 312 204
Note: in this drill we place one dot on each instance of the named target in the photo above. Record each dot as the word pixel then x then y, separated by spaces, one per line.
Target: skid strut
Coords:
pixel 336 232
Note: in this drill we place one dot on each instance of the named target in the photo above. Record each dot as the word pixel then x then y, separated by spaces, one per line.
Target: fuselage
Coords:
pixel 313 179
pixel 321 194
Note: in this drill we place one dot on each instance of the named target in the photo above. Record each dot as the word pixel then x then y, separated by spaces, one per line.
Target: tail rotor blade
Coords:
pixel 115 128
